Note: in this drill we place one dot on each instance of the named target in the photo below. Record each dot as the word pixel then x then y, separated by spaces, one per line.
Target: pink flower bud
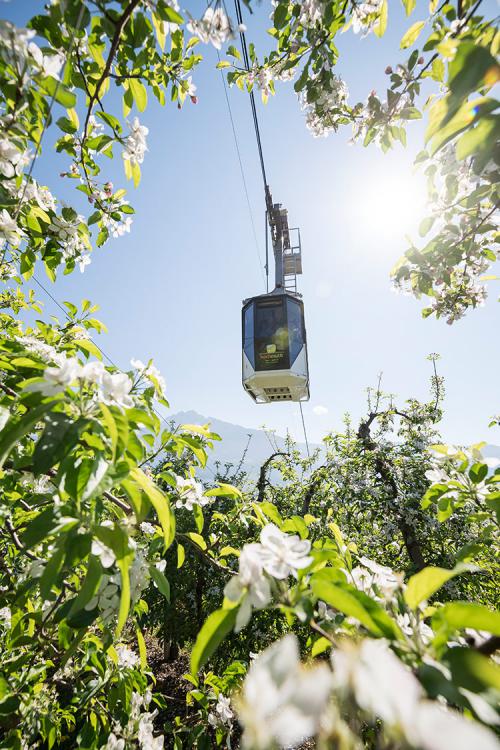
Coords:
pixel 91 199
pixel 388 70
pixel 420 60
pixel 194 99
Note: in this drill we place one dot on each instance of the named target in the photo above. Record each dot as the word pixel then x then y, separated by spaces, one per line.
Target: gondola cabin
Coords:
pixel 274 348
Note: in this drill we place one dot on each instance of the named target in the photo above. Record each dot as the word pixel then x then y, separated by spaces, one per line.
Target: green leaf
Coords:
pixel 409 6
pixel 472 670
pixel 467 116
pixel 59 437
pixel 354 603
pixel 160 503
pixel 161 581
pixel 117 540
pixel 320 646
pixel 479 138
pixel 213 632
pixel 224 490
pixel 381 25
pixel 143 654
pixel 59 91
pixel 15 429
pixel 412 35
pixel 459 615
pixel 181 555
pixel 52 568
pixel 196 539
pixel 67 126
pixel 46 523
pixel 139 93
pixel 471 67
pixel 280 15
pixel 198 517
pixel 89 586
pixel 171 15
pixel 426 225
pixel 429 580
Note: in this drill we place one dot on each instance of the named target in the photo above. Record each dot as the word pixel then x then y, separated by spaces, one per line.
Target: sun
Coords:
pixel 391 205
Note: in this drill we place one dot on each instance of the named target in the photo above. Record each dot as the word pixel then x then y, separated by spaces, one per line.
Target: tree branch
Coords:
pixel 261 484
pixel 122 22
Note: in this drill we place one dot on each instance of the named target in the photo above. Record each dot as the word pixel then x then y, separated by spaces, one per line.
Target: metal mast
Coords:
pixel 287 253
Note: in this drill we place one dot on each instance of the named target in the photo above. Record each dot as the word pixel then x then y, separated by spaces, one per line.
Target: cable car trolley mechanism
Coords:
pixel 274 356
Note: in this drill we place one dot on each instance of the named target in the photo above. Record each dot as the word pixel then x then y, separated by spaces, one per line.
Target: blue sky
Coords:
pixel 172 289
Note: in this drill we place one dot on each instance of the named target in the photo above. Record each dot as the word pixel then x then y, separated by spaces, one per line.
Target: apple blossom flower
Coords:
pixel 190 494
pixel 250 583
pixel 58 377
pixel 114 389
pixel 147 528
pixel 282 702
pixel 223 715
pixel 127 659
pixel 9 230
pixel 215 27
pixel 365 16
pixel 135 143
pixel 10 157
pixel 282 554
pixel 105 554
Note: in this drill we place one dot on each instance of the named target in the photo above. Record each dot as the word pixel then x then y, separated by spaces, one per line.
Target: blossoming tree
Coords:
pixel 91 540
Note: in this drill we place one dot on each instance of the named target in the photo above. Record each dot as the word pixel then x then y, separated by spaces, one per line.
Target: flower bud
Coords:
pixel 388 70
pixel 420 60
pixel 194 99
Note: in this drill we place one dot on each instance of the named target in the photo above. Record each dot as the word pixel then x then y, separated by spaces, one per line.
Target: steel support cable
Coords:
pixel 242 171
pixel 305 431
pixel 246 61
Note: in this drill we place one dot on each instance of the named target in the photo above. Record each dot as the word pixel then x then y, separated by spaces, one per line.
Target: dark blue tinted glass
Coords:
pixel 271 334
pixel 248 346
pixel 295 329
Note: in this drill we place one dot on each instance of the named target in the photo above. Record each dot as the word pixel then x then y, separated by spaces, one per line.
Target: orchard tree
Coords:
pixel 91 537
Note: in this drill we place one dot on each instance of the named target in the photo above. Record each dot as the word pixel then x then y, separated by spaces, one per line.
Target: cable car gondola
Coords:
pixel 274 356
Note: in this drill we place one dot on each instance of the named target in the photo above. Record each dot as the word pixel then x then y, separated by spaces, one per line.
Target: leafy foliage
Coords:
pixel 109 546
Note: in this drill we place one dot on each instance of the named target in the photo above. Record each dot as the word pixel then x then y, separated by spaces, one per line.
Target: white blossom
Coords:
pixel 381 684
pixel 371 574
pixel 9 230
pixel 114 743
pixel 10 158
pixel 58 377
pixel 5 617
pixel 250 583
pixel 147 528
pixel 135 143
pixel 223 715
pixel 365 16
pixel 282 554
pixel 151 372
pixel 114 389
pixel 41 349
pixel 127 659
pixel 214 27
pixel 106 555
pixel 190 494
pixel 282 701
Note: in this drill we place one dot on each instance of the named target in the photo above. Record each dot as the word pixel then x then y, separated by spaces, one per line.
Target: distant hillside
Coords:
pixel 235 438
